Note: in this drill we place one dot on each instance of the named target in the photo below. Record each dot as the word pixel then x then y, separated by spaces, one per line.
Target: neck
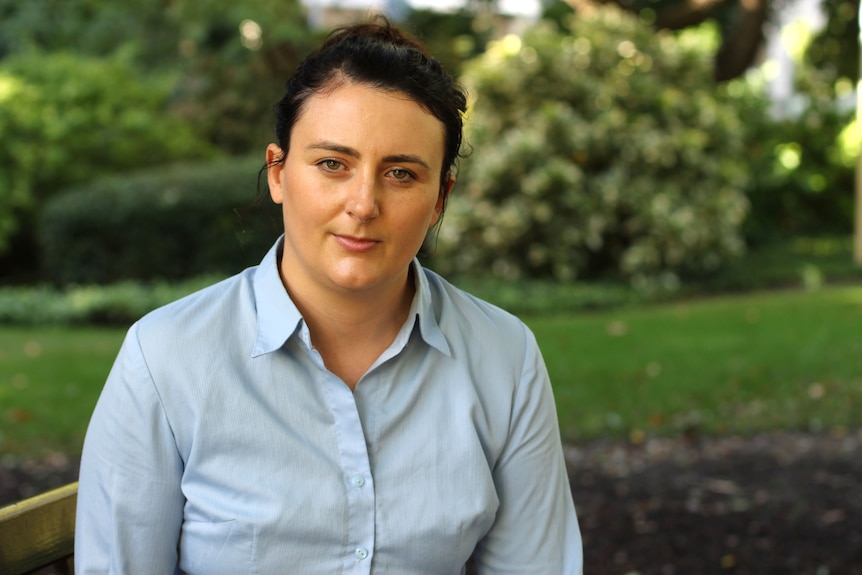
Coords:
pixel 351 329
pixel 363 314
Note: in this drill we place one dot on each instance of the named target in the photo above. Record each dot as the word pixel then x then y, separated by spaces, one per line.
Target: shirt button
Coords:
pixel 361 553
pixel 357 481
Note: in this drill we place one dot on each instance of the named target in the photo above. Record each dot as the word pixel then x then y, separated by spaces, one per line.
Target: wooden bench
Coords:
pixel 37 535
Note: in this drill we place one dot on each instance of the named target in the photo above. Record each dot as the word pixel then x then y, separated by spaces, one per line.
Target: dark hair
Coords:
pixel 378 54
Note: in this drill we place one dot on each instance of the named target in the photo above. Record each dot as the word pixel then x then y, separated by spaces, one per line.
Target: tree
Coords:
pixel 90 27
pixel 857 240
pixel 741 23
pixel 835 48
pixel 232 58
pixel 452 37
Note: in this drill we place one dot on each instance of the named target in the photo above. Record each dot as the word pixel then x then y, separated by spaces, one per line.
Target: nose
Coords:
pixel 362 202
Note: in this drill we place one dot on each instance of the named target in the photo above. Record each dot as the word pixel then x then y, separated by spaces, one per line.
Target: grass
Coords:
pixel 732 364
pixel 50 378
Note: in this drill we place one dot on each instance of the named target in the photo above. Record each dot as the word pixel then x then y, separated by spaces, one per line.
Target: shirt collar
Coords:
pixel 278 317
pixel 423 307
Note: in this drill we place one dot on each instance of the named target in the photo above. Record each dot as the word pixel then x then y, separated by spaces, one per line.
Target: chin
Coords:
pixel 358 281
pixel 354 280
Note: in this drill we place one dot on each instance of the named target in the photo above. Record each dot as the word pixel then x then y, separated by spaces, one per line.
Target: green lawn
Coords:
pixel 722 365
pixel 50 378
pixel 725 365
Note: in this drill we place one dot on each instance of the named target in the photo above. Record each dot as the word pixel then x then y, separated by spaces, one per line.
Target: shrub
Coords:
pixel 124 302
pixel 66 119
pixel 802 186
pixel 803 163
pixel 117 304
pixel 604 151
pixel 170 223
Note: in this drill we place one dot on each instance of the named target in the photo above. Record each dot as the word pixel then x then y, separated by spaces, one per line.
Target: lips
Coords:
pixel 354 244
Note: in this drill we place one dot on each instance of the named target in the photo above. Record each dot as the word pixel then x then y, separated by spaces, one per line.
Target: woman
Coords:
pixel 338 408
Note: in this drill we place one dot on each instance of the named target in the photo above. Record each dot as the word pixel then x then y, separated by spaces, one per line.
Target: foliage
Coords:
pixel 192 76
pixel 451 37
pixel 604 151
pixel 171 223
pixel 803 181
pixel 66 119
pixel 234 60
pixel 120 303
pixel 123 302
pixel 741 26
pixel 231 58
pixel 801 261
pixel 835 49
pixel 805 262
pixel 94 28
pixel 803 156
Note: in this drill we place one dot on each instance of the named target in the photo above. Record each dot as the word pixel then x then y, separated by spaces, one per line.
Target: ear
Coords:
pixel 275 158
pixel 445 190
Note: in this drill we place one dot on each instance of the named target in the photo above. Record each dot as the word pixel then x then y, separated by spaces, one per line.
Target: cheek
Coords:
pixel 423 217
pixel 417 208
pixel 302 201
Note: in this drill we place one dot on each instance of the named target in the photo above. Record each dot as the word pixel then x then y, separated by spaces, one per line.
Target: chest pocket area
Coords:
pixel 216 547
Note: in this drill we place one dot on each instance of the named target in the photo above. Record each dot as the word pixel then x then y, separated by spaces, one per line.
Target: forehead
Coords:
pixel 361 116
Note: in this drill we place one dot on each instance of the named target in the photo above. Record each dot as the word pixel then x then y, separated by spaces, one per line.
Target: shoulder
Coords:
pixel 447 295
pixel 485 328
pixel 202 314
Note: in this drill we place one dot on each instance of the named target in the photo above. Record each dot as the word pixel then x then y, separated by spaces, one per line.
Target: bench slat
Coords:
pixel 39 531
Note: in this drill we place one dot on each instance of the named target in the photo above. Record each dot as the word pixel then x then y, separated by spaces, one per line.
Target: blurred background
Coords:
pixel 728 126
pixel 665 190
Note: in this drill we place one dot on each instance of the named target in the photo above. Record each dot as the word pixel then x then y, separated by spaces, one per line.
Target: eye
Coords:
pixel 331 165
pixel 402 175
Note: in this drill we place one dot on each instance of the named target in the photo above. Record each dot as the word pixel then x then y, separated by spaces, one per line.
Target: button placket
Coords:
pixel 357 478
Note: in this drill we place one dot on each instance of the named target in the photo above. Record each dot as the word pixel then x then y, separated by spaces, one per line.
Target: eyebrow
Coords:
pixel 353 153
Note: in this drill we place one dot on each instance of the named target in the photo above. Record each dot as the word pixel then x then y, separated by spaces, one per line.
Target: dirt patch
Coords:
pixel 20 479
pixel 775 504
pixel 780 503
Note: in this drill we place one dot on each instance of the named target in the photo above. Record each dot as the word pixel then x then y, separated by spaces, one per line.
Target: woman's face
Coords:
pixel 359 187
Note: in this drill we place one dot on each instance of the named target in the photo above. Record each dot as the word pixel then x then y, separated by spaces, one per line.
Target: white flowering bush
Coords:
pixel 604 151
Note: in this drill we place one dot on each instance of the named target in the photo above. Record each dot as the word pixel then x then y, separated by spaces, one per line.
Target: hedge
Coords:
pixel 177 222
pixel 66 119
pixel 121 303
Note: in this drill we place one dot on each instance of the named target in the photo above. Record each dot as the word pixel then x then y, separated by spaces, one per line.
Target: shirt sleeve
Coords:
pixel 536 529
pixel 130 504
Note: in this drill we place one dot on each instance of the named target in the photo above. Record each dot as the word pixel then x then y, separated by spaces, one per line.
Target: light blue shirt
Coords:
pixel 222 445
